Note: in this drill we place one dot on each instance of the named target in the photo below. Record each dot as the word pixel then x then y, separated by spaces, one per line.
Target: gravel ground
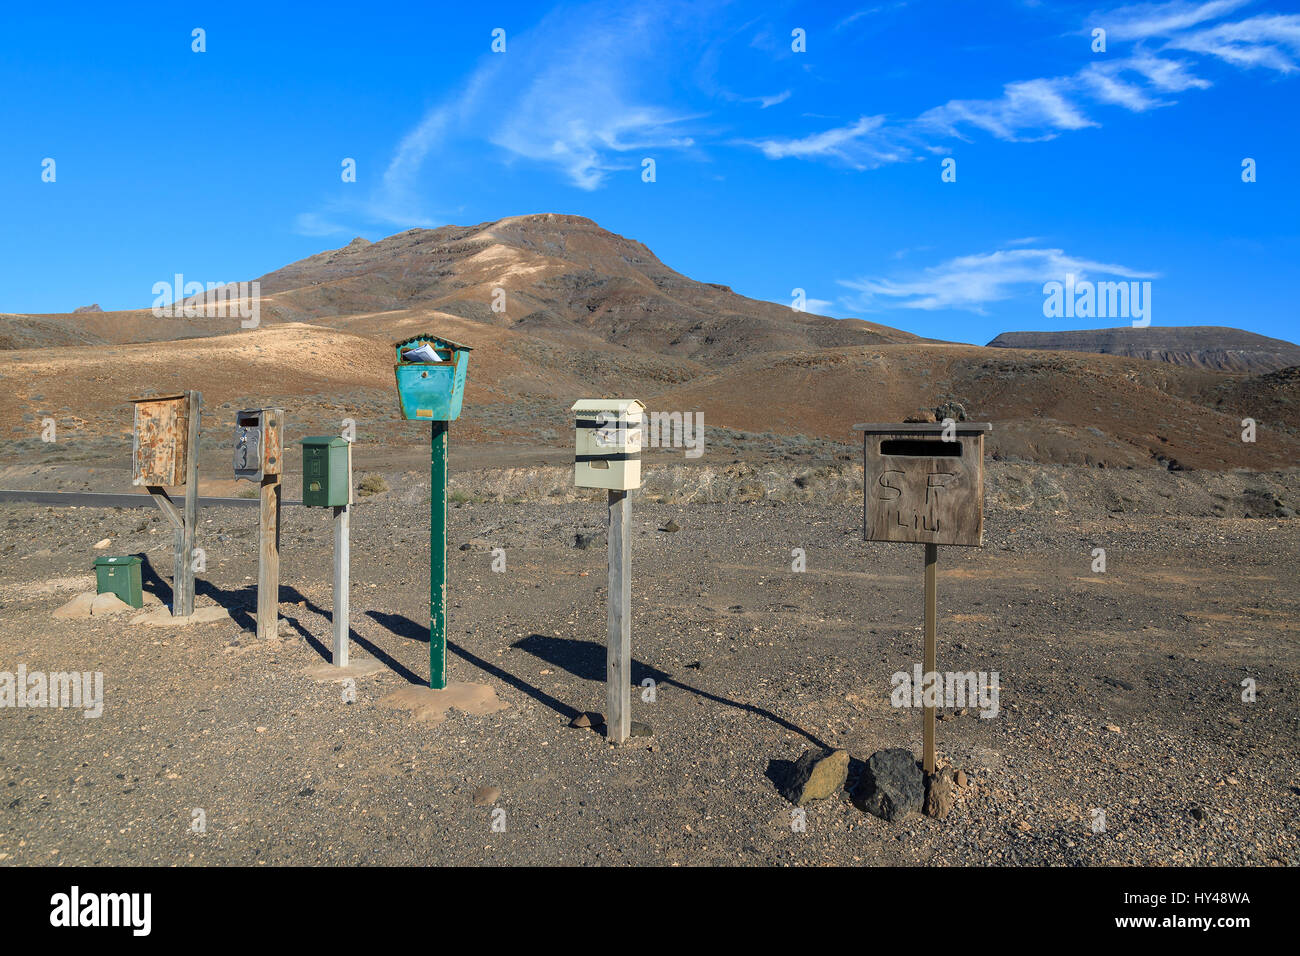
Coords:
pixel 1120 692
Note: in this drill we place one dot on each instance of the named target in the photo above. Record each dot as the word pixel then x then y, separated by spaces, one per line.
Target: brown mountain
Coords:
pixel 588 312
pixel 1194 346
pixel 561 275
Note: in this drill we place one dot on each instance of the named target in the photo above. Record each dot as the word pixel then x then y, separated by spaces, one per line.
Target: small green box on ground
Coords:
pixel 120 576
pixel 326 472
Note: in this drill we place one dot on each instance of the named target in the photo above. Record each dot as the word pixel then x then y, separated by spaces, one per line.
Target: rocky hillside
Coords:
pixel 557 276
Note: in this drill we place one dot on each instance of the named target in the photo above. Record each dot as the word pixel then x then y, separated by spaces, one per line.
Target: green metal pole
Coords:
pixel 438 557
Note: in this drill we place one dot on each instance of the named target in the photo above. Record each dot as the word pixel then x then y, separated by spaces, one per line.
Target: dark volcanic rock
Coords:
pixel 892 785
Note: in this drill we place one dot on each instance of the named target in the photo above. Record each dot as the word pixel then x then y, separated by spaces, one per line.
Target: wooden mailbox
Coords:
pixel 165 453
pixel 919 487
pixel 923 483
pixel 161 437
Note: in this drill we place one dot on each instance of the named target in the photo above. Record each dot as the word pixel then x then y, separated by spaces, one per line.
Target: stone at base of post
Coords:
pixel 618 658
pixel 342 574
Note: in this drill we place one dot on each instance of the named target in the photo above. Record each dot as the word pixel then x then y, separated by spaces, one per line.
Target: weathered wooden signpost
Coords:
pixel 165 453
pixel 607 454
pixel 431 374
pixel 923 483
pixel 327 483
pixel 259 452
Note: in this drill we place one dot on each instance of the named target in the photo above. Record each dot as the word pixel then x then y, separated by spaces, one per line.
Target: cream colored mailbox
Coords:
pixel 607 450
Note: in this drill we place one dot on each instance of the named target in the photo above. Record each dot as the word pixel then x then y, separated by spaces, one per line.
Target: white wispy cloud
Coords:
pixel 765 101
pixel 867 12
pixel 972 282
pixel 1027 109
pixel 843 142
pixel 1168 76
pixel 1046 107
pixel 1271 42
pixel 1142 20
pixel 1107 85
pixel 568 94
pixel 582 104
pixel 316 225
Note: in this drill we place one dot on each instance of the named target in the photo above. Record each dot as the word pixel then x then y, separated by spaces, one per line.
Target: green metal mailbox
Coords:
pixel 326 472
pixel 431 378
pixel 120 576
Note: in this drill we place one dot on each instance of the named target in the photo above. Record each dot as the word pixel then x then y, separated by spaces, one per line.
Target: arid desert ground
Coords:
pixel 1121 692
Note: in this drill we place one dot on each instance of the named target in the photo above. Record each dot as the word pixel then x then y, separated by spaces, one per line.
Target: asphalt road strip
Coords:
pixel 86 499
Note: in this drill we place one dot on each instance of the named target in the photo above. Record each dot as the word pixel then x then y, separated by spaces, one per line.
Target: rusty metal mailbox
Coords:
pixel 257 443
pixel 923 482
pixel 160 443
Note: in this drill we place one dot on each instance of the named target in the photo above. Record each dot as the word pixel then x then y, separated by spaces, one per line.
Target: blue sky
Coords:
pixel 775 169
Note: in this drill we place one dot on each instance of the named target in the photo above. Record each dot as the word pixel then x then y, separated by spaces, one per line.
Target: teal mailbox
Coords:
pixel 430 387
pixel 431 378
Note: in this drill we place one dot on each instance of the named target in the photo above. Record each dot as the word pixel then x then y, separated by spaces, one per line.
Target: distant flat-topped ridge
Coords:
pixel 1194 346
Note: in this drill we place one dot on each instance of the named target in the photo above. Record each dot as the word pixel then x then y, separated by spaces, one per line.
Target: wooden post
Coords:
pixel 931 566
pixel 618 657
pixel 166 506
pixel 342 568
pixel 183 567
pixel 438 556
pixel 268 559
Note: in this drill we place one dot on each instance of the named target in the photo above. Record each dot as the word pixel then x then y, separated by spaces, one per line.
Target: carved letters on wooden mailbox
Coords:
pixel 919 488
